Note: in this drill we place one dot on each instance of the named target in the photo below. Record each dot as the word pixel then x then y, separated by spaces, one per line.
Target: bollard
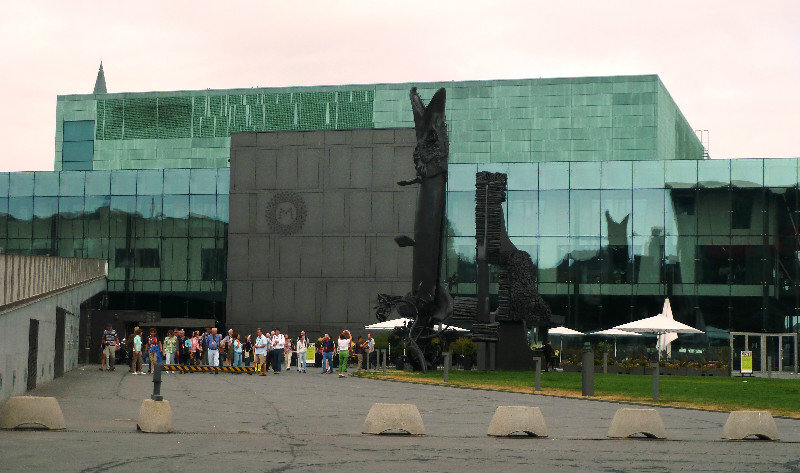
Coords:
pixel 157 383
pixel 384 361
pixel 656 373
pixel 538 361
pixel 587 370
pixel 605 363
pixel 769 367
pixel 447 357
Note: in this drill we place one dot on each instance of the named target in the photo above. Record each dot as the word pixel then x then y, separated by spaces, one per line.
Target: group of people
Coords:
pixel 268 350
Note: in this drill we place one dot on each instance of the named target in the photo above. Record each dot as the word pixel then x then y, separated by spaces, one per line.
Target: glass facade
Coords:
pixel 163 232
pixel 612 239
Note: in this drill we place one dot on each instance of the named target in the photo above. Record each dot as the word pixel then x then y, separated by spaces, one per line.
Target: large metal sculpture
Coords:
pixel 428 302
pixel 501 335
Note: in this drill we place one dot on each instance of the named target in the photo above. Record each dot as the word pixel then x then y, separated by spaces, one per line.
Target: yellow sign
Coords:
pixel 747 362
pixel 310 354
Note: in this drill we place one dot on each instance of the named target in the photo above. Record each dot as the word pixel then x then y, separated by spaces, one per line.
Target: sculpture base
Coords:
pixel 513 352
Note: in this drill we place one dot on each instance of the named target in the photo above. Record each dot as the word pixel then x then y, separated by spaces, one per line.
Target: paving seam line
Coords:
pixel 630 403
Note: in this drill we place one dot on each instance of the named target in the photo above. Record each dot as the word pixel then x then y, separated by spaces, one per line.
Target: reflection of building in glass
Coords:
pixel 607 192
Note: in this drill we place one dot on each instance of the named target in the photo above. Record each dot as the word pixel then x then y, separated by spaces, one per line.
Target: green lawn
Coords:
pixel 780 396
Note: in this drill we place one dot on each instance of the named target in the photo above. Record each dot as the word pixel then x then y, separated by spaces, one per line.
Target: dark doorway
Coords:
pixel 58 360
pixel 33 352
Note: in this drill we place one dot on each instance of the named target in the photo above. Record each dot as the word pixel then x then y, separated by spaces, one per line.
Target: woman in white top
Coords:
pixel 344 351
pixel 302 350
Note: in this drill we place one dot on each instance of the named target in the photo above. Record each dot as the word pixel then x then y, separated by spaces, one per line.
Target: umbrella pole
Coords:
pixel 615 347
pixel 561 350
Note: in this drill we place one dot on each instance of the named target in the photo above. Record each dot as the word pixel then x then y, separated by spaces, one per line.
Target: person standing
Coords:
pixel 110 346
pixel 183 348
pixel 247 351
pixel 154 350
pixel 370 351
pixel 227 346
pixel 549 356
pixel 212 343
pixel 260 347
pixel 287 353
pixel 204 345
pixel 360 348
pixel 302 352
pixel 327 354
pixel 170 348
pixel 237 351
pixel 344 351
pixel 136 358
pixel 278 343
pixel 196 351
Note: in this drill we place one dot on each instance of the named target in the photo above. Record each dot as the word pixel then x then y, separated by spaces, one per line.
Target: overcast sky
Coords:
pixel 732 67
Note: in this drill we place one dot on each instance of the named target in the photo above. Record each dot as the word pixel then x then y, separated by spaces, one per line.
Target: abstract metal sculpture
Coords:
pixel 519 302
pixel 428 302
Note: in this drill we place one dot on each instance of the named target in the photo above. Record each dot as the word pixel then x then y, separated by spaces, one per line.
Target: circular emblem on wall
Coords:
pixel 286 213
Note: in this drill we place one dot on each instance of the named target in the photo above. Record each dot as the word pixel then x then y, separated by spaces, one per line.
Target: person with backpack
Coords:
pixel 153 350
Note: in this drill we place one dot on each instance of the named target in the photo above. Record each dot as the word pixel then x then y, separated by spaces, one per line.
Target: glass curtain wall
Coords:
pixel 612 239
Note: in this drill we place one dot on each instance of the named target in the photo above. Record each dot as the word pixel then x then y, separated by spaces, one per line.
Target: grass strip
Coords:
pixel 779 396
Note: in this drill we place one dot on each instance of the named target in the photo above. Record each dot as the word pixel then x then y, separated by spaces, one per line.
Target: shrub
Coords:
pixel 464 346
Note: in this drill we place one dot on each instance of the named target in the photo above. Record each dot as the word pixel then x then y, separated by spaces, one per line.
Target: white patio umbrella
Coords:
pixel 392 324
pixel 665 340
pixel 563 332
pixel 659 325
pixel 612 332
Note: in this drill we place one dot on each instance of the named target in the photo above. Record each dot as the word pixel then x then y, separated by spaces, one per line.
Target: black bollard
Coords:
pixel 605 363
pixel 656 373
pixel 447 357
pixel 587 370
pixel 157 383
pixel 538 385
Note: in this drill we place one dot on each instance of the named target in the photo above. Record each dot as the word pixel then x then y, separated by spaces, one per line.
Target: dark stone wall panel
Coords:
pixel 321 269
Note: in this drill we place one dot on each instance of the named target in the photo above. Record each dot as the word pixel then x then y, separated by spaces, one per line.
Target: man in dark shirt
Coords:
pixel 549 356
pixel 327 354
pixel 110 343
pixel 360 352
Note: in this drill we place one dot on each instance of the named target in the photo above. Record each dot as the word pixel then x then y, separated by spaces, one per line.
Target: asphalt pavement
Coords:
pixel 312 422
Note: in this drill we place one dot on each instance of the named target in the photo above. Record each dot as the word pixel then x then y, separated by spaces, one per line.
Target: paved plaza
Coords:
pixel 312 422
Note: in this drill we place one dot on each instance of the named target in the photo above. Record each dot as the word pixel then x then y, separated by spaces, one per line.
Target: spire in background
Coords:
pixel 100 83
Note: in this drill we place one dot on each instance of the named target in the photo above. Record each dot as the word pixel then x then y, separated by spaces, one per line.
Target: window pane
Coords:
pixel 648 254
pixel 4 176
pixel 461 212
pixel 150 182
pixel 45 183
pixel 648 174
pixel 176 206
pixel 78 151
pixel 681 174
pixel 680 216
pixel 98 183
pixel 554 212
pixel 82 130
pixel 714 173
pixel 176 181
pixel 585 260
pixel 72 183
pixel 554 175
pixel 222 208
pixel 747 172
pixel 584 212
pixel 584 175
pixel 553 259
pixel 123 182
pixel 523 213
pixel 203 181
pixel 617 175
pixel 780 172
pixel 461 177
pixel 615 218
pixel 648 212
pixel 523 176
pixel 21 184
pixel 224 180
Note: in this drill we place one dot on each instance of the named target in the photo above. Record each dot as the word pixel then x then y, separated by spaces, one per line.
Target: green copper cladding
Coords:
pixel 628 118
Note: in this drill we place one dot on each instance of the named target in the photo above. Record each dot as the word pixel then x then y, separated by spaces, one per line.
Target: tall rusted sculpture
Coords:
pixel 428 302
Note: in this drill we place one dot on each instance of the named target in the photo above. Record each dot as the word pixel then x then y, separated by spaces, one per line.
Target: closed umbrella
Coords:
pixel 562 332
pixel 658 325
pixel 665 340
pixel 612 332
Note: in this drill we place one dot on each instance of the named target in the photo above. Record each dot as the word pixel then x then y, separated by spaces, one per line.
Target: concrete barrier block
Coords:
pixel 508 420
pixel 743 424
pixel 628 422
pixel 388 418
pixel 155 417
pixel 21 411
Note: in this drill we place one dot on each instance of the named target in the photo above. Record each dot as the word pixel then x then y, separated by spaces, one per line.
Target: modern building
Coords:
pixel 610 192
